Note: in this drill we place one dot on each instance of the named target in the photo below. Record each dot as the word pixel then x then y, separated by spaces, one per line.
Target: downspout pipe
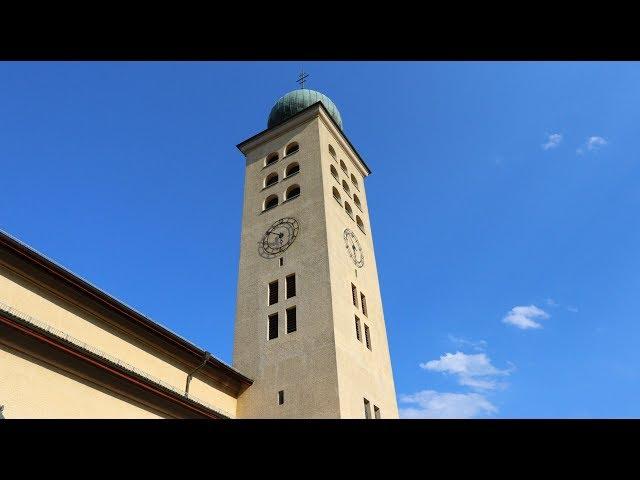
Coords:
pixel 207 356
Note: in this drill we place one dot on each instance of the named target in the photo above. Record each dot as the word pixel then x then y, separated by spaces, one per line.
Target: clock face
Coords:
pixel 353 248
pixel 279 237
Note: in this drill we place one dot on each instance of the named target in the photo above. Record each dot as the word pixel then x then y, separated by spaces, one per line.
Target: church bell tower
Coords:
pixel 309 326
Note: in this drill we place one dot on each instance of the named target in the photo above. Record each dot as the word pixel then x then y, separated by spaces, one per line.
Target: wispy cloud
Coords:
pixel 552 303
pixel 432 404
pixel 523 317
pixel 553 141
pixel 595 142
pixel 592 143
pixel 475 371
pixel 462 342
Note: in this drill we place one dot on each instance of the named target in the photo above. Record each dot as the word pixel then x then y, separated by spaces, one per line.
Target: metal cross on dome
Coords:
pixel 301 78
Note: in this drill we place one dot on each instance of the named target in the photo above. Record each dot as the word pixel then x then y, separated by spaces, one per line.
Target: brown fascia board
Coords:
pixel 300 113
pixel 36 266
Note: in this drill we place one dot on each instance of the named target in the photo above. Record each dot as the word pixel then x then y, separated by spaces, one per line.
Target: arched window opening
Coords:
pixel 356 200
pixel 292 148
pixel 292 169
pixel 292 192
pixel 336 195
pixel 360 224
pixel 345 185
pixel 347 208
pixel 334 172
pixel 271 179
pixel 270 202
pixel 343 166
pixel 271 159
pixel 332 152
pixel 354 181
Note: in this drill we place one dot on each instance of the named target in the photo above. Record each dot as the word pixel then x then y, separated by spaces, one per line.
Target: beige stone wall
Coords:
pixel 323 369
pixel 362 373
pixel 30 388
pixel 30 299
pixel 301 363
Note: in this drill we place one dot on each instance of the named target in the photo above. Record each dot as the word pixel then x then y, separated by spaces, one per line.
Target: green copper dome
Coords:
pixel 298 100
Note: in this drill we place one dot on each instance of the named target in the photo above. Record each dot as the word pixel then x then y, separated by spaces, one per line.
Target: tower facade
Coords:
pixel 309 328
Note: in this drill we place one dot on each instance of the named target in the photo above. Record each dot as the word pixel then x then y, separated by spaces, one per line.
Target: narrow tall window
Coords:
pixel 363 302
pixel 271 159
pixel 292 192
pixel 273 292
pixel 273 326
pixel 292 324
pixel 356 200
pixel 292 169
pixel 354 295
pixel 281 261
pixel 376 412
pixel 348 209
pixel 354 181
pixel 271 179
pixel 345 186
pixel 292 148
pixel 343 166
pixel 291 285
pixel 280 397
pixel 270 202
pixel 367 409
pixel 367 338
pixel 334 172
pixel 336 195
pixel 332 152
pixel 358 335
pixel 360 224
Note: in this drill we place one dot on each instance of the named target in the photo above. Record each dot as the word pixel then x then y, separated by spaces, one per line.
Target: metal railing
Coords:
pixel 40 325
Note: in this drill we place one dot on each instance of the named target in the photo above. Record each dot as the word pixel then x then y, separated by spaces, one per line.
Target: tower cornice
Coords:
pixel 312 111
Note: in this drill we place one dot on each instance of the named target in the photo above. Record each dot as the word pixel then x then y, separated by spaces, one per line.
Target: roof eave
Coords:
pixel 241 145
pixel 156 329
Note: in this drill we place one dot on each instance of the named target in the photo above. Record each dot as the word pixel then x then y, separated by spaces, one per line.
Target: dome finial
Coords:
pixel 301 78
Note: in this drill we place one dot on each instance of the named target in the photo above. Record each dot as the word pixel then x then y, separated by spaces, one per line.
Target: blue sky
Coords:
pixel 504 205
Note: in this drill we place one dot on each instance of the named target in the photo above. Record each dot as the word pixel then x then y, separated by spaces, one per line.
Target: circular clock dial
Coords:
pixel 353 247
pixel 278 237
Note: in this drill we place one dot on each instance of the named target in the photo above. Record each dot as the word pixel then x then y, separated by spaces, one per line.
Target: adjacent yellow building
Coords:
pixel 310 338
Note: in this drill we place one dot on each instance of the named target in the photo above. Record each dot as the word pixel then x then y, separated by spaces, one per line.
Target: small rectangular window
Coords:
pixel 273 326
pixel 280 397
pixel 354 295
pixel 281 261
pixel 273 292
pixel 376 412
pixel 358 336
pixel 366 336
pixel 367 409
pixel 291 320
pixel 291 285
pixel 363 302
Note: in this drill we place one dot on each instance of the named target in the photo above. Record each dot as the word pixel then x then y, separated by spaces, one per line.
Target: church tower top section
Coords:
pixel 296 101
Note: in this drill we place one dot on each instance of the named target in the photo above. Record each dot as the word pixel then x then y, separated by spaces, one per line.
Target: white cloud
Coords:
pixel 461 342
pixel 593 143
pixel 432 404
pixel 573 309
pixel 523 317
pixel 551 302
pixel 553 141
pixel 475 371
